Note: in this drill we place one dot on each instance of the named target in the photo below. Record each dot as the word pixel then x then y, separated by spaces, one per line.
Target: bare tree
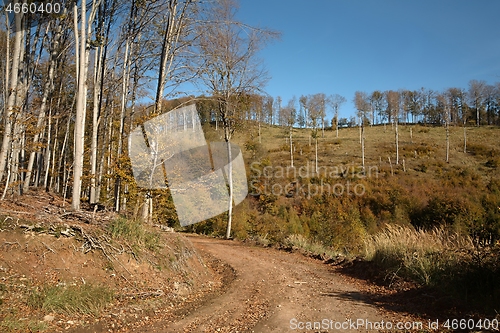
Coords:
pixel 12 83
pixel 177 27
pixel 362 103
pixel 444 105
pixel 82 55
pixel 377 105
pixel 315 106
pixel 336 102
pixel 289 117
pixel 230 69
pixel 476 97
pixel 393 98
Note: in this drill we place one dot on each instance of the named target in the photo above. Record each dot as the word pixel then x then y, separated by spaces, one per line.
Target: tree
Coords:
pixel 175 27
pixel 230 69
pixel 303 111
pixel 289 117
pixel 362 103
pixel 315 105
pixel 476 97
pixel 377 105
pixel 47 90
pixel 490 103
pixel 336 102
pixel 444 105
pixel 393 100
pixel 12 101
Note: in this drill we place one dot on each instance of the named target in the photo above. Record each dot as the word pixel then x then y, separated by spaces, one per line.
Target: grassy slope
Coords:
pixel 460 196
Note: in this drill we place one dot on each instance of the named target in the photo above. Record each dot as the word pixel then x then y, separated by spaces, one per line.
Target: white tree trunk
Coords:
pixel 465 138
pixel 13 80
pixel 81 99
pixel 397 143
pixel 230 181
pixel 316 154
pixel 363 147
pixel 98 63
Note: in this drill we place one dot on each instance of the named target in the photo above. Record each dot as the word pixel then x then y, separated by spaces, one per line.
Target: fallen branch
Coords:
pixel 48 248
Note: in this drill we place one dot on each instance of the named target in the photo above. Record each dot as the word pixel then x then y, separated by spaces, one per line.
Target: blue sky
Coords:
pixel 340 46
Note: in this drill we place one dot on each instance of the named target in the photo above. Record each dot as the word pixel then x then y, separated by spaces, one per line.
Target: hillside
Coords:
pixel 92 271
pixel 423 233
pixel 446 212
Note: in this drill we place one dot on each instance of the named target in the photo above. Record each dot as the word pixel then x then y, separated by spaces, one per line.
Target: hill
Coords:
pixel 388 212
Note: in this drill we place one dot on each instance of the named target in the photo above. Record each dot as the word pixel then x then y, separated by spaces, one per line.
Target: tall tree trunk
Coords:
pixel 291 148
pixel 230 181
pixel 81 101
pixel 95 121
pixel 79 132
pixel 13 86
pixel 363 146
pixel 397 142
pixel 465 137
pixel 125 86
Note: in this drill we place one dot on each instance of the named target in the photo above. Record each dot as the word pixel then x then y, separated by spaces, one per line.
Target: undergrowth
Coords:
pixel 83 299
pixel 439 258
pixel 135 233
pixel 12 324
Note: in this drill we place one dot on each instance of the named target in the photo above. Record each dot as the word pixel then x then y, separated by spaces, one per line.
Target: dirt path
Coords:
pixel 274 291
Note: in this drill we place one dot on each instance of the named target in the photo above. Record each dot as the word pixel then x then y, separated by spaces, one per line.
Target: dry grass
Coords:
pixel 439 258
pixel 84 299
pixel 425 145
pixel 420 255
pixel 299 242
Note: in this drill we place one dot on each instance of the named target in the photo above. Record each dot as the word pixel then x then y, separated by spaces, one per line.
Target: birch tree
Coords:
pixel 476 97
pixel 336 102
pixel 12 85
pixel 230 69
pixel 289 118
pixel 361 101
pixel 82 35
pixel 393 99
pixel 176 29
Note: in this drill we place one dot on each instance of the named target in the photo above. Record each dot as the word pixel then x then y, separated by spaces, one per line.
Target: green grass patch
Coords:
pixel 135 232
pixel 85 299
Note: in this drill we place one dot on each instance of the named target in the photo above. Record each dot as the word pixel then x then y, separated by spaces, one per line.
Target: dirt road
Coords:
pixel 275 291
